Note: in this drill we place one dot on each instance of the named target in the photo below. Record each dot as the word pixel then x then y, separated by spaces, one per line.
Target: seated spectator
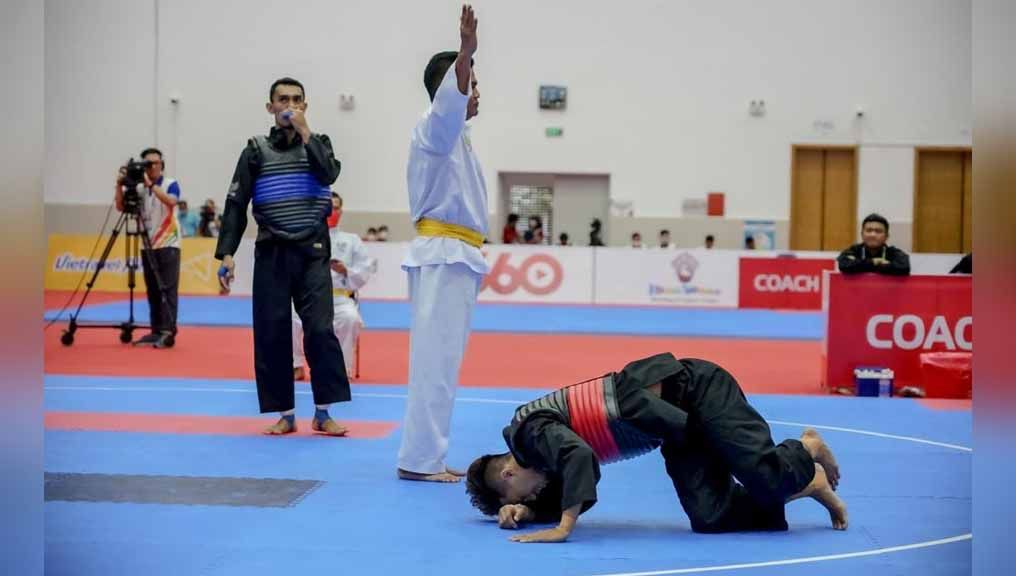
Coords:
pixel 371 235
pixel 562 240
pixel 873 254
pixel 210 222
pixel 510 233
pixel 710 240
pixel 595 230
pixel 749 242
pixel 536 227
pixel 636 240
pixel 665 242
pixel 382 233
pixel 965 265
pixel 189 221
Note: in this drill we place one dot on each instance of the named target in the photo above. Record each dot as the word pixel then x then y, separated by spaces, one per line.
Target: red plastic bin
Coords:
pixel 947 374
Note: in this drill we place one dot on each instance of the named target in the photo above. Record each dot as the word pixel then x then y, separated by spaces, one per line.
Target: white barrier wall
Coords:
pixel 579 275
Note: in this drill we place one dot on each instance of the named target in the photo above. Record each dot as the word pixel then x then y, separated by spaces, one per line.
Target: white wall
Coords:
pixel 658 91
pixel 577 200
pixel 100 94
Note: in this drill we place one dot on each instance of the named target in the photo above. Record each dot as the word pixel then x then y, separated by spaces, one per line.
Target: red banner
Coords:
pixel 889 322
pixel 787 283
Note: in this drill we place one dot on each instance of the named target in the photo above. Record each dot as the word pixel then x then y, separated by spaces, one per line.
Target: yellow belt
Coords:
pixel 428 227
pixel 341 292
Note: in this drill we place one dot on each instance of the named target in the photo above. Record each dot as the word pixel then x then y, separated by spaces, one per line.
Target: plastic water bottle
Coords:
pixel 885 388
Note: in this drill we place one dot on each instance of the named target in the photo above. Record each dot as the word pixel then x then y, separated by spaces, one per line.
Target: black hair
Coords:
pixel 286 81
pixel 382 227
pixel 665 231
pixel 634 234
pixel 153 150
pixel 513 218
pixel 873 217
pixel 369 230
pixel 563 237
pixel 436 69
pixel 539 221
pixel 596 224
pixel 336 195
pixel 546 505
pixel 710 238
pixel 481 495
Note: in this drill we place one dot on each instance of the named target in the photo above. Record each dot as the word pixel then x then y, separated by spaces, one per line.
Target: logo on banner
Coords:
pixel 801 284
pixel 909 332
pixel 539 274
pixel 684 265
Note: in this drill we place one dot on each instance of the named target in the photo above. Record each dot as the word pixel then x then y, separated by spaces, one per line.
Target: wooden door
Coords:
pixel 939 192
pixel 823 205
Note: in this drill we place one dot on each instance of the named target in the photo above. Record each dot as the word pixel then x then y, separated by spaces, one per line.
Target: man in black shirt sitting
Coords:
pixel 873 254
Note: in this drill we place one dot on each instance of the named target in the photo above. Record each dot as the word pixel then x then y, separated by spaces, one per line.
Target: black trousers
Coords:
pixel 288 273
pixel 712 436
pixel 167 261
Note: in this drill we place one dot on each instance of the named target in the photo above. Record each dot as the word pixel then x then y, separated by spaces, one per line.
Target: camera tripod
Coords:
pixel 132 225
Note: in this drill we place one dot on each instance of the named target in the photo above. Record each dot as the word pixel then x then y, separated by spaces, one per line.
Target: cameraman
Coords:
pixel 157 200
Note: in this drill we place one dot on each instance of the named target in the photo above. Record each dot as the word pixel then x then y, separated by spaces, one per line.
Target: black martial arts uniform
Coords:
pixel 856 260
pixel 288 184
pixel 708 433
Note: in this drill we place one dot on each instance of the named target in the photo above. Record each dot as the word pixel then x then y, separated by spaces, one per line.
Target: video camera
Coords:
pixel 134 174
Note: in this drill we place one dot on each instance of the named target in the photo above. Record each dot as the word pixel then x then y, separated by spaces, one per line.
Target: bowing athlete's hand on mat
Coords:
pixel 556 534
pixel 510 516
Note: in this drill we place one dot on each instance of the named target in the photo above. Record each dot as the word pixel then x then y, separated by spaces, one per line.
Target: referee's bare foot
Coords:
pixel 821 453
pixel 328 427
pixel 446 477
pixel 279 428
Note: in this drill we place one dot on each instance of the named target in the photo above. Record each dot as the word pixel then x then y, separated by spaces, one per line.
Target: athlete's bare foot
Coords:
pixel 281 427
pixel 822 492
pixel 446 477
pixel 455 471
pixel 328 427
pixel 821 453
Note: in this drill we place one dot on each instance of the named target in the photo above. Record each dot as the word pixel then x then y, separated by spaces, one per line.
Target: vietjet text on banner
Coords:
pixel 71 258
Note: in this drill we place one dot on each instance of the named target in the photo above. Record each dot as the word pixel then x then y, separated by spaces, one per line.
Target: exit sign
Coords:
pixel 554 132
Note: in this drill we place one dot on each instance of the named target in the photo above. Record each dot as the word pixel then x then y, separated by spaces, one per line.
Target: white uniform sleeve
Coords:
pixel 440 128
pixel 361 267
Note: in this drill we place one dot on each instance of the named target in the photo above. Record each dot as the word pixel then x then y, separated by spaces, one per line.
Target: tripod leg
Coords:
pixel 120 223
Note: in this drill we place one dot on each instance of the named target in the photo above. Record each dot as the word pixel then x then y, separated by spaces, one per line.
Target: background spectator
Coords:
pixel 535 233
pixel 510 233
pixel 210 222
pixel 595 230
pixel 189 221
pixel 665 240
pixel 710 240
